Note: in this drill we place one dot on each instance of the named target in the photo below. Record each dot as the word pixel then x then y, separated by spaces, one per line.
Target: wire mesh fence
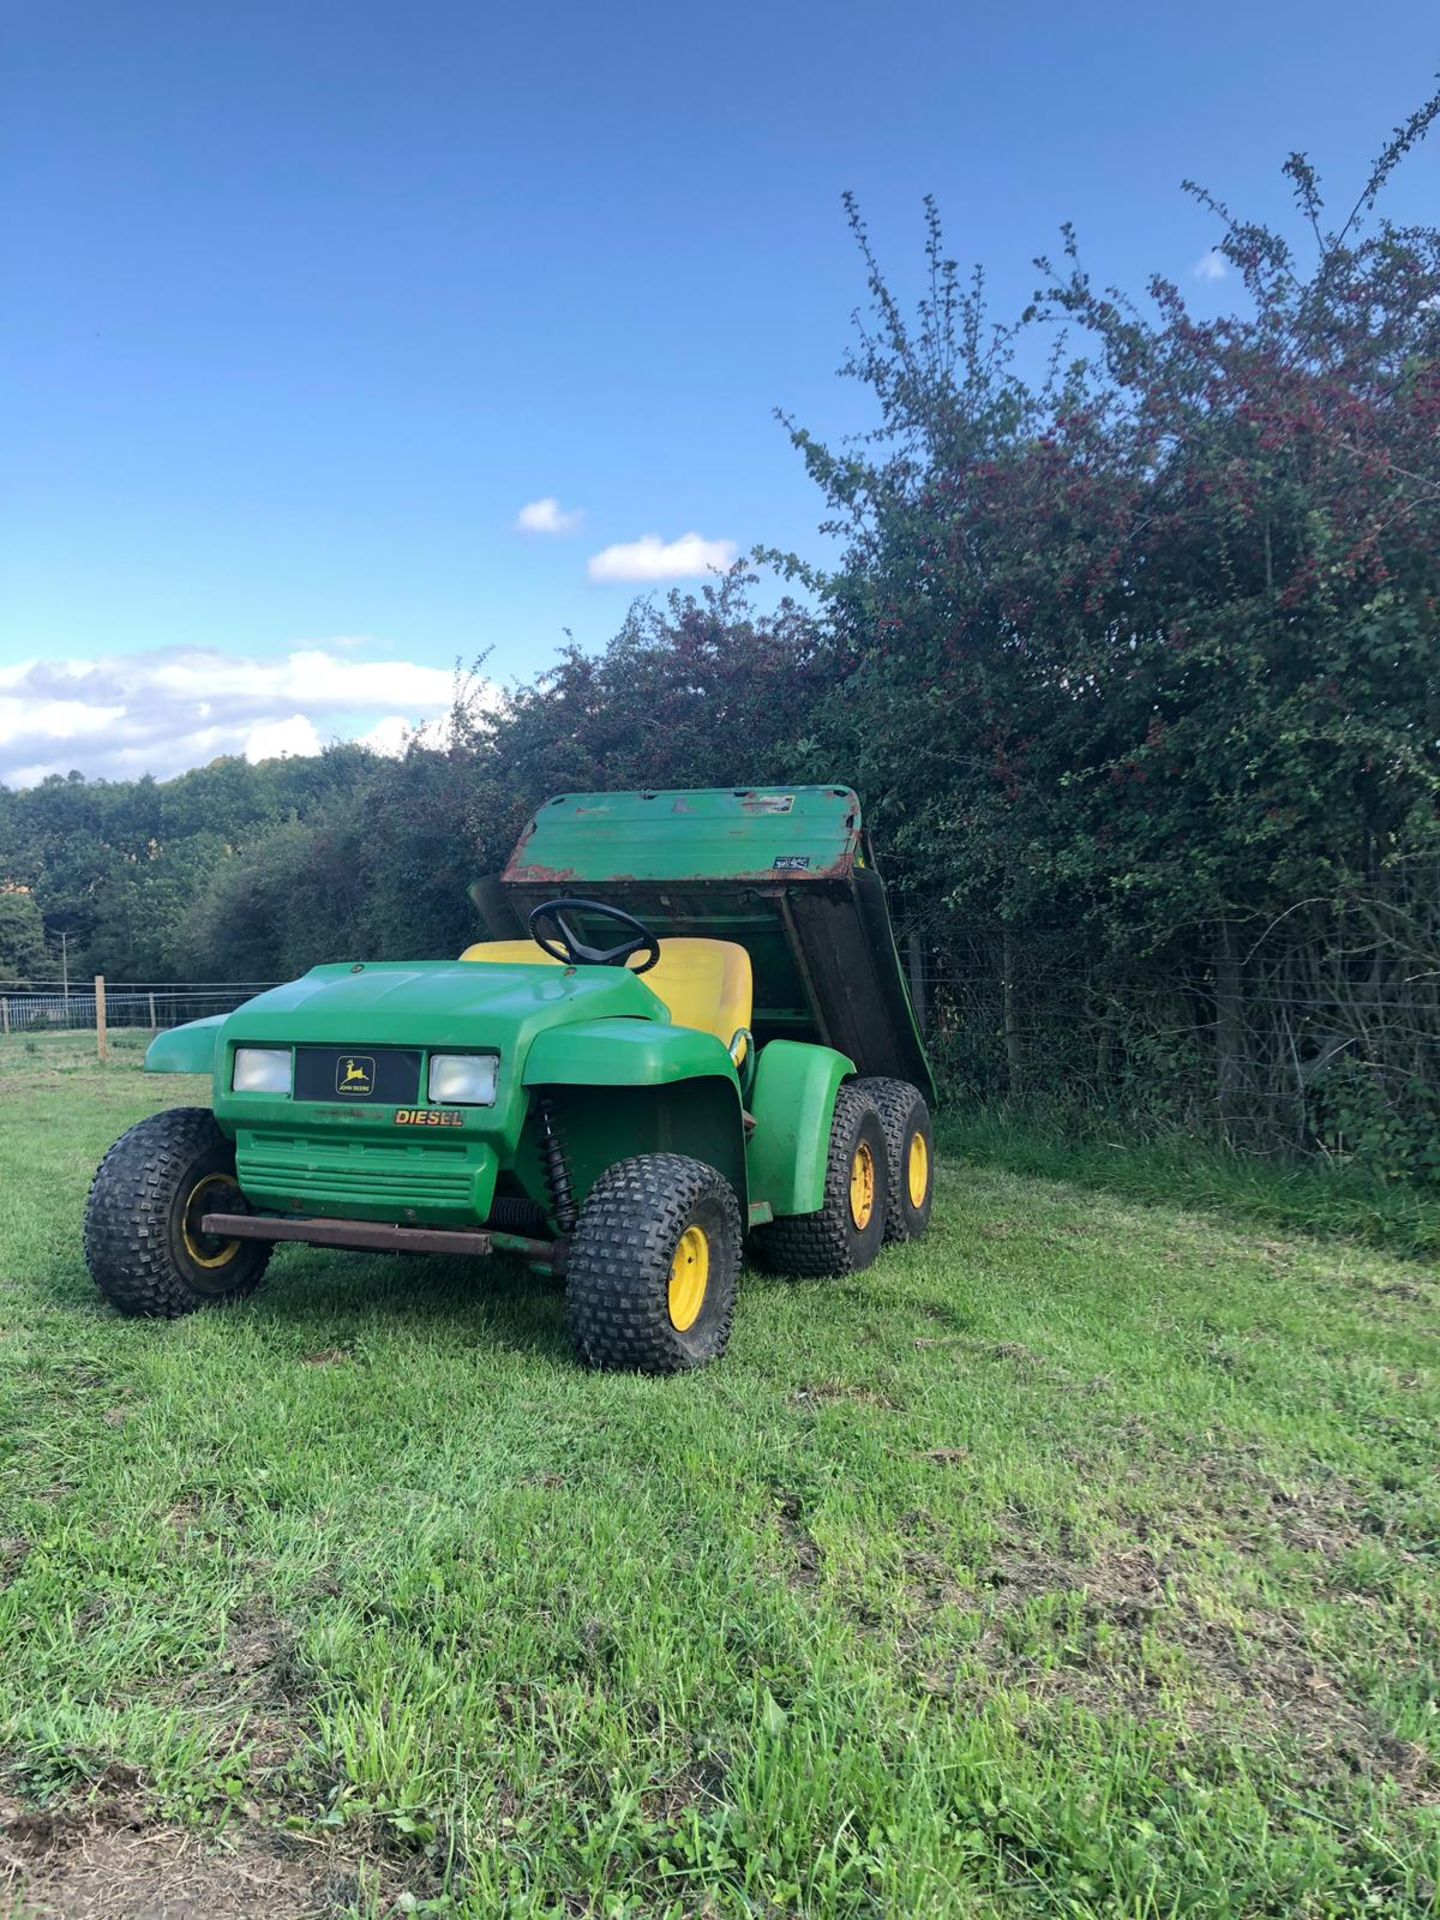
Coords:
pixel 51 1006
pixel 1322 1043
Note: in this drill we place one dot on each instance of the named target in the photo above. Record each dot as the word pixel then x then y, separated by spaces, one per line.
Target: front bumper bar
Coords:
pixel 378 1236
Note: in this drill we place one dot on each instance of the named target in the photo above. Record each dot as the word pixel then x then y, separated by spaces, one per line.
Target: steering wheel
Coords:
pixel 566 945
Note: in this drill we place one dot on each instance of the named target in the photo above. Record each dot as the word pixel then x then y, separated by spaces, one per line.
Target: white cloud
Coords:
pixel 547 516
pixel 279 739
pixel 388 736
pixel 651 558
pixel 176 707
pixel 1211 266
pixel 392 735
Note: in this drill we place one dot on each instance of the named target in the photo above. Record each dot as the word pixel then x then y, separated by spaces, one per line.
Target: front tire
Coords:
pixel 849 1230
pixel 143 1243
pixel 654 1265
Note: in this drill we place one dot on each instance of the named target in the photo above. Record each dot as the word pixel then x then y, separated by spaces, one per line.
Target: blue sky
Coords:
pixel 304 303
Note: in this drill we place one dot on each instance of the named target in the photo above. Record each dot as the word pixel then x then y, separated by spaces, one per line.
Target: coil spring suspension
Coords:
pixel 510 1214
pixel 557 1172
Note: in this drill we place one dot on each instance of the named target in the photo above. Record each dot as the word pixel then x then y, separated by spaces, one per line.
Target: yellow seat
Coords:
pixel 706 984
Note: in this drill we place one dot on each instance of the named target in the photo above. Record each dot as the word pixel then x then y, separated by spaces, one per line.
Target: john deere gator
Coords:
pixel 686 1035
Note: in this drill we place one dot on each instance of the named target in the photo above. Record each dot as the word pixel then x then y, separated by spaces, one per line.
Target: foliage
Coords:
pixel 1159 633
pixel 1147 646
pixel 116 864
pixel 1383 1121
pixel 22 936
pixel 698 691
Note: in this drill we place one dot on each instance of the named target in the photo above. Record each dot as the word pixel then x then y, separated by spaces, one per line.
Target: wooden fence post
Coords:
pixel 102 1036
pixel 5 1016
pixel 153 1027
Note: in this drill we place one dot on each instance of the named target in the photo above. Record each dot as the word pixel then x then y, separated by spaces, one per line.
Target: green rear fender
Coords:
pixel 793 1102
pixel 187 1049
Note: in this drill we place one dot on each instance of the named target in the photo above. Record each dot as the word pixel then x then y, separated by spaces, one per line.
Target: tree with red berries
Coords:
pixel 1146 650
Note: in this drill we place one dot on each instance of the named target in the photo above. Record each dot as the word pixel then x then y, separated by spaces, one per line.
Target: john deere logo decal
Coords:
pixel 355 1073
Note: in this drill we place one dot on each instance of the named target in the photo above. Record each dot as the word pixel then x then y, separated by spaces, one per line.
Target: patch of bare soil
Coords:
pixel 806 1558
pixel 1399 1290
pixel 254 1692
pixel 213 1520
pixel 699 1784
pixel 107 1860
pixel 824 1392
pixel 1125 1613
pixel 1325 1518
pixel 1025 1360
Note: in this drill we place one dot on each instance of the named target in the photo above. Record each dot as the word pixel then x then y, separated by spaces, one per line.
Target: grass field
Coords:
pixel 1081 1561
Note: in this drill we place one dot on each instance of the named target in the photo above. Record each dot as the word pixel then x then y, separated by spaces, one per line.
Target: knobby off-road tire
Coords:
pixel 909 1156
pixel 844 1236
pixel 143 1245
pixel 654 1266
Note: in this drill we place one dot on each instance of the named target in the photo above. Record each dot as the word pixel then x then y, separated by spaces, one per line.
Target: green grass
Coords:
pixel 1080 1561
pixel 1307 1195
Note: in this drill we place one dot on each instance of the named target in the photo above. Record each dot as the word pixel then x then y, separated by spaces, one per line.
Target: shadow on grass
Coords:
pixel 1331 1202
pixel 317 1298
pixel 322 1297
pixel 496 1300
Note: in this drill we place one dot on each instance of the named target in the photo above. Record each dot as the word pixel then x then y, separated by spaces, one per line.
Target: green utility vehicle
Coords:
pixel 687 1030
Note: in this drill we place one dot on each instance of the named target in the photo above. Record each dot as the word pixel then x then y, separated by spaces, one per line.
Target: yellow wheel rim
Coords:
pixel 862 1186
pixel 689 1277
pixel 917 1170
pixel 203 1248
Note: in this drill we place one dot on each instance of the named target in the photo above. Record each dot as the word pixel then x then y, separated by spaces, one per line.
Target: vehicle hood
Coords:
pixel 438 1003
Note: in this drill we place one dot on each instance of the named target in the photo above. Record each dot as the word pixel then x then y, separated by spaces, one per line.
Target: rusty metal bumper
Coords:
pixel 378 1236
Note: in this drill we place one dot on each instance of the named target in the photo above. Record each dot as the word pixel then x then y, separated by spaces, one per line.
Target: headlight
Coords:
pixel 463 1079
pixel 263 1070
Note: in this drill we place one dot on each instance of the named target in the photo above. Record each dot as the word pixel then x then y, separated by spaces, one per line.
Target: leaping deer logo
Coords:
pixel 357 1077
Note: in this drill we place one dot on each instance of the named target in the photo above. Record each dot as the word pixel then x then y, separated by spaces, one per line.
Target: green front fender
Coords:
pixel 187 1049
pixel 625 1053
pixel 621 1087
pixel 793 1102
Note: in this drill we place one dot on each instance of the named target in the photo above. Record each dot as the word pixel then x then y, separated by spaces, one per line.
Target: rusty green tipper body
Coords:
pixel 788 872
pixel 486 1101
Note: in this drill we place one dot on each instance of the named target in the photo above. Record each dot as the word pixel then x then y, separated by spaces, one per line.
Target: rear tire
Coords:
pixel 847 1233
pixel 654 1266
pixel 909 1155
pixel 143 1243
